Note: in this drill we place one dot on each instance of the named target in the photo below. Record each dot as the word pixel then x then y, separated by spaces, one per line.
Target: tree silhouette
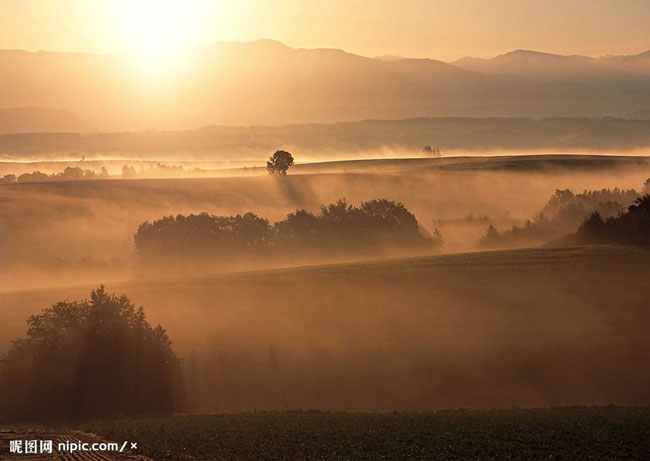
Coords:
pixel 631 227
pixel 128 172
pixel 279 162
pixel 437 239
pixel 202 235
pixel 592 229
pixel 339 225
pixel 299 228
pixel 491 236
pixel 93 358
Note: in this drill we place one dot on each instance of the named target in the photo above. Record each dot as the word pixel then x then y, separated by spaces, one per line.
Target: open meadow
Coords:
pixel 531 328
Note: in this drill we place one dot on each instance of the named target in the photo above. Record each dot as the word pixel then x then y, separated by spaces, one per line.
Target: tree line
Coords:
pixel 337 226
pixel 69 173
pixel 563 213
pixel 629 228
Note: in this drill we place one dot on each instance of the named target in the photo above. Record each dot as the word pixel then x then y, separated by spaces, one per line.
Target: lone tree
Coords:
pixel 93 358
pixel 279 162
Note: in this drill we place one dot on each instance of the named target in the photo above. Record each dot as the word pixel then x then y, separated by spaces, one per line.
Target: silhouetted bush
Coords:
pixel 94 358
pixel 338 226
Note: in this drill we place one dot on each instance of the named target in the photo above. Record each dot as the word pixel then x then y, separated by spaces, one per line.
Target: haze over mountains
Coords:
pixel 546 66
pixel 363 139
pixel 268 83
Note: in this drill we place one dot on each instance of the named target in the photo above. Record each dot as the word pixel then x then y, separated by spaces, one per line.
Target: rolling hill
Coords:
pixel 541 327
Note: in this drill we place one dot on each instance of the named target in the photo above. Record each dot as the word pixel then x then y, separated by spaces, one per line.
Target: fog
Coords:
pixel 529 328
pixel 71 232
pixel 533 328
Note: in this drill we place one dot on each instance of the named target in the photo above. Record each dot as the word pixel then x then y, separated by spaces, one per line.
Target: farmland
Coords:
pixel 568 433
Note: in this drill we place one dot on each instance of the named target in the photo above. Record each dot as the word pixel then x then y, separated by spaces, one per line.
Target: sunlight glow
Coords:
pixel 159 34
pixel 159 27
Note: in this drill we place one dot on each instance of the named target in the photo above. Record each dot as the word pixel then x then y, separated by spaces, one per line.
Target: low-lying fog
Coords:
pixel 533 328
pixel 540 328
pixel 70 232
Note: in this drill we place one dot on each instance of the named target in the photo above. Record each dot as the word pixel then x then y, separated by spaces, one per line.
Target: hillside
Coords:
pixel 539 327
pixel 545 164
pixel 68 231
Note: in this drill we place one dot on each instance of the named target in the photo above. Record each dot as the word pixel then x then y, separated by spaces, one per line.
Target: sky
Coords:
pixel 440 29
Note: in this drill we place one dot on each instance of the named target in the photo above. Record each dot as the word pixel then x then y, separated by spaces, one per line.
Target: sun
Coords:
pixel 160 27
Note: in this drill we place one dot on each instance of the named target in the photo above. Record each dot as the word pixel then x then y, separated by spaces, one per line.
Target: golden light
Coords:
pixel 160 27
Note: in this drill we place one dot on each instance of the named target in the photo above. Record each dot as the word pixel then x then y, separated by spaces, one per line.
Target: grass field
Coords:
pixel 577 433
pixel 533 328
pixel 531 163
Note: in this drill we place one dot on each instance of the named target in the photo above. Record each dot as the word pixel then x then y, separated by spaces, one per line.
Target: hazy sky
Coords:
pixel 443 29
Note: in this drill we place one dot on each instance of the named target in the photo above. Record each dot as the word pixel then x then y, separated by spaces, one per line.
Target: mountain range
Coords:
pixel 268 83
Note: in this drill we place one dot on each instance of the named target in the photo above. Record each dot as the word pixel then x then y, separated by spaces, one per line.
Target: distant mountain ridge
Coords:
pixel 269 83
pixel 547 65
